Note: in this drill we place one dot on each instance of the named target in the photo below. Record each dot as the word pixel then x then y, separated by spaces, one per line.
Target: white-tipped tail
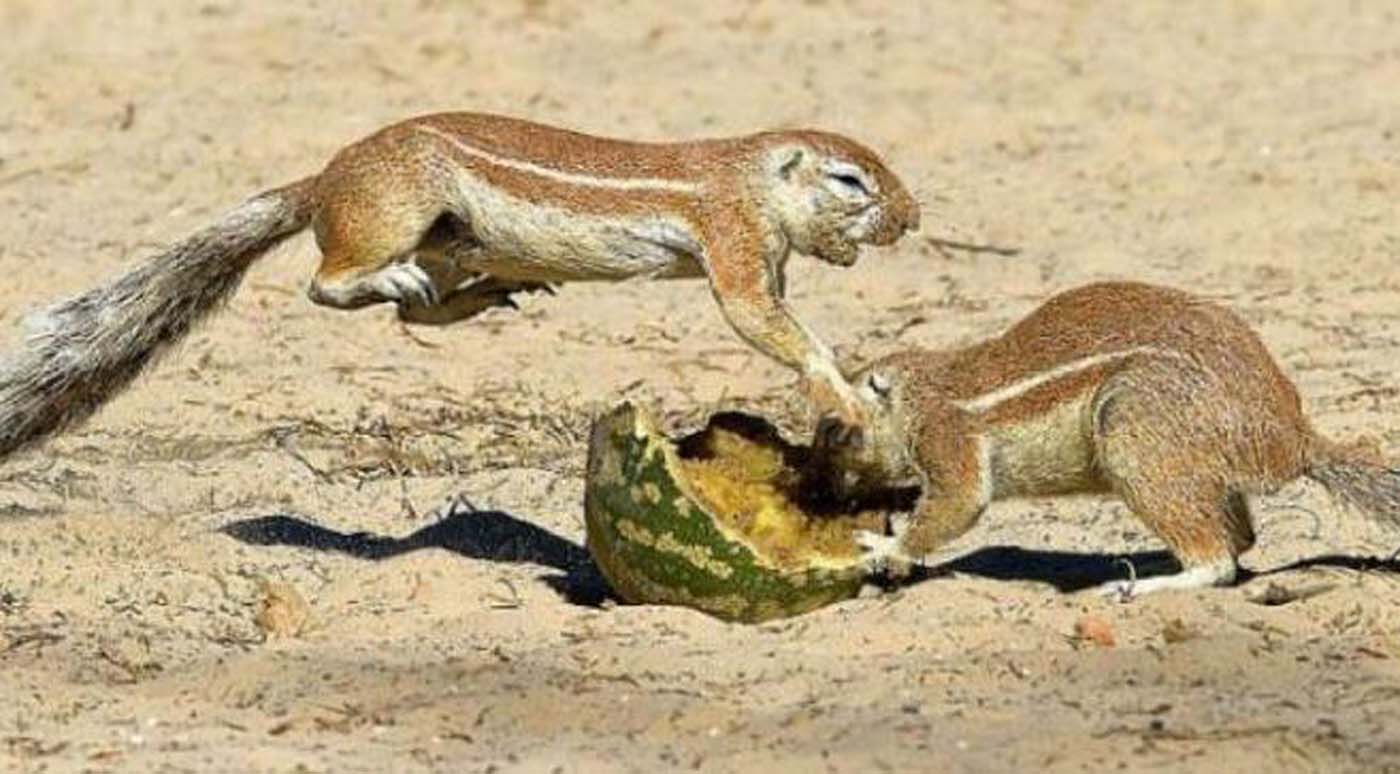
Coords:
pixel 80 353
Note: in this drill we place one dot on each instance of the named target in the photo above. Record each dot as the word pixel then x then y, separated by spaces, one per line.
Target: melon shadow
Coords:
pixel 491 535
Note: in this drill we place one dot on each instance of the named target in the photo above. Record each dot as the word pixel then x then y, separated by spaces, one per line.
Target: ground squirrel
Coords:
pixel 448 215
pixel 1164 399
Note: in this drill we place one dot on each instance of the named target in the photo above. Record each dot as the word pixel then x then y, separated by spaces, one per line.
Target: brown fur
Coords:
pixel 1161 398
pixel 449 215
pixel 738 213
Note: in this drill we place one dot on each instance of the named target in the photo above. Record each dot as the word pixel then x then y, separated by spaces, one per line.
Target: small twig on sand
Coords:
pixel 502 602
pixel 1274 594
pixel 1126 591
pixel 284 442
pixel 411 336
pixel 405 502
pixel 946 246
pixel 38 638
pixel 77 165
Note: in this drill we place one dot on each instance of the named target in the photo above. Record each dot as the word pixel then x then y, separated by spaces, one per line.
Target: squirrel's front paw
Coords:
pixel 829 398
pixel 883 554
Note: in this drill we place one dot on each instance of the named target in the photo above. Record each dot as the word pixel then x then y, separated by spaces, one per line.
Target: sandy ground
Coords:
pixel 1244 149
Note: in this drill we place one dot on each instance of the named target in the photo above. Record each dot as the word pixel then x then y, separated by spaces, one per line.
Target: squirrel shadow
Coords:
pixel 1069 572
pixel 494 536
pixel 497 536
pixel 1065 571
pixel 1388 564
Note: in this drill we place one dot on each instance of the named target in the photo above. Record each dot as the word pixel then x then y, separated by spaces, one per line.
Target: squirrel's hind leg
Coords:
pixel 469 301
pixel 1158 447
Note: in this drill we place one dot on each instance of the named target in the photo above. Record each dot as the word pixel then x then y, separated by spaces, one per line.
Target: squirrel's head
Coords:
pixel 877 455
pixel 831 195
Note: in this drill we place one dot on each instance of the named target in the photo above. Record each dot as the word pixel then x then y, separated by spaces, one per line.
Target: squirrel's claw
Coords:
pixel 405 283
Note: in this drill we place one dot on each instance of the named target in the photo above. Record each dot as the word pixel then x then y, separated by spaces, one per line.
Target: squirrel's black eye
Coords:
pixel 879 384
pixel 850 181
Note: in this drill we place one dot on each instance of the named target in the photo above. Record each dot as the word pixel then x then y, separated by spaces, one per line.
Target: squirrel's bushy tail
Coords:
pixel 83 351
pixel 1359 476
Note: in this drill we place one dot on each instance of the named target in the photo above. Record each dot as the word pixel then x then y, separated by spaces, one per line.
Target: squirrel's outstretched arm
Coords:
pixel 747 288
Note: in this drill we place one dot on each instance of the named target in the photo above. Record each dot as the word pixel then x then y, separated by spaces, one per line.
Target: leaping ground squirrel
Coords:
pixel 1164 399
pixel 447 215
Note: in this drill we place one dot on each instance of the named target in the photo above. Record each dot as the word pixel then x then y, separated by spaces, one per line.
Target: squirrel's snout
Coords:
pixel 912 217
pixel 897 222
pixel 906 212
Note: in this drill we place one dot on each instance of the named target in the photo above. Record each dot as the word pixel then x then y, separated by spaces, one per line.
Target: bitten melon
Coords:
pixel 712 521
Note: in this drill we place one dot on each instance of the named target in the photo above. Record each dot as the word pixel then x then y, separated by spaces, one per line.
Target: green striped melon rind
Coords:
pixel 656 544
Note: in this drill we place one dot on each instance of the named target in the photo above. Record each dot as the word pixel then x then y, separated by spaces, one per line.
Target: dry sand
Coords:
pixel 1244 149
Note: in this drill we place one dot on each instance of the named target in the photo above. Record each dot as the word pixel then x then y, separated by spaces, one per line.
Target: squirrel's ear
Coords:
pixel 788 160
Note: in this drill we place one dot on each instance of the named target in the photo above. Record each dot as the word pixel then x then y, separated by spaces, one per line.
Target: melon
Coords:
pixel 717 521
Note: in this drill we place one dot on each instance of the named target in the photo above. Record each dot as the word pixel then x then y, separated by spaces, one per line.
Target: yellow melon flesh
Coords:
pixel 751 485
